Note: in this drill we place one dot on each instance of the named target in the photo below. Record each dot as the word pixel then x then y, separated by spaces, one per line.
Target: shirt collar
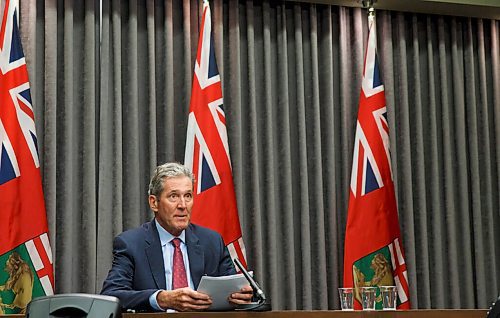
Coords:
pixel 166 237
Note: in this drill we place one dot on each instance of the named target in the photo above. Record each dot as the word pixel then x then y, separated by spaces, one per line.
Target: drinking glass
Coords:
pixel 388 294
pixel 346 298
pixel 368 297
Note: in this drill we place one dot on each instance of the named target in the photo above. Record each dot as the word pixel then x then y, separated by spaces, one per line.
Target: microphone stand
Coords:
pixel 262 304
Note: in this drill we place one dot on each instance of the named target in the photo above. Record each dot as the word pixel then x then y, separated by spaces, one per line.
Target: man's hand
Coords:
pixel 183 299
pixel 244 296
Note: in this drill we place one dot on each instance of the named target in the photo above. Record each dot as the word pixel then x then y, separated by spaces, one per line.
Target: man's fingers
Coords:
pixel 191 307
pixel 195 304
pixel 197 295
pixel 184 299
pixel 199 307
pixel 238 301
pixel 197 298
pixel 247 289
pixel 243 296
pixel 240 297
pixel 206 302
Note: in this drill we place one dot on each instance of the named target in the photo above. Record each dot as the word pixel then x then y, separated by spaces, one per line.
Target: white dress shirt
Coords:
pixel 168 256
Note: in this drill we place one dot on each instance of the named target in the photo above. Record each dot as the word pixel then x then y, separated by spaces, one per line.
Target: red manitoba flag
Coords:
pixel 207 148
pixel 373 248
pixel 24 245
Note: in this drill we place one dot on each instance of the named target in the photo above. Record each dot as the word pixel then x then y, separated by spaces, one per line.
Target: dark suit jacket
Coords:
pixel 138 268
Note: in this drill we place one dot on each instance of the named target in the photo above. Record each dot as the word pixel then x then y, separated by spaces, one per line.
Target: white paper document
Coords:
pixel 219 289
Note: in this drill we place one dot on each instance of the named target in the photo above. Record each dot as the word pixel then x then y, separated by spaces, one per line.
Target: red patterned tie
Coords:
pixel 179 278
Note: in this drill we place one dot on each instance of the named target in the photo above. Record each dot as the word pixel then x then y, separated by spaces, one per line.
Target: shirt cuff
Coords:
pixel 153 302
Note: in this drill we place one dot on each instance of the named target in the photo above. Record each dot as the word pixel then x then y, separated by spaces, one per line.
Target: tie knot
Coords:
pixel 177 242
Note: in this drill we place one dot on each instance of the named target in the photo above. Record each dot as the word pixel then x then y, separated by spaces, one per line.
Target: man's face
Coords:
pixel 173 207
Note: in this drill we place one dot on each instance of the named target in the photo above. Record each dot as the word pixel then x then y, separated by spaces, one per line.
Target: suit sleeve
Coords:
pixel 119 282
pixel 226 265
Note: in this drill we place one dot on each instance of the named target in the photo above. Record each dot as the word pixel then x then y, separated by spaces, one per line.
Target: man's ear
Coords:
pixel 153 203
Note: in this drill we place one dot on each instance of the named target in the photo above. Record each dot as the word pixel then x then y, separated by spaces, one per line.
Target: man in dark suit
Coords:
pixel 158 266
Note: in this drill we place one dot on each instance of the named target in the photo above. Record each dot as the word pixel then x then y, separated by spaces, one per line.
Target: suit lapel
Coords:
pixel 196 257
pixel 154 254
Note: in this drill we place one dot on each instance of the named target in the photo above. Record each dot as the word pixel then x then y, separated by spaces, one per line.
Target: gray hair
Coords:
pixel 166 171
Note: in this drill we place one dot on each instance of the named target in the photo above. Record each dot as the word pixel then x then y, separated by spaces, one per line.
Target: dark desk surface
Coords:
pixel 437 313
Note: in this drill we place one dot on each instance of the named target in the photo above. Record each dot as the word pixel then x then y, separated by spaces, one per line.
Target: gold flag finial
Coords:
pixel 368 4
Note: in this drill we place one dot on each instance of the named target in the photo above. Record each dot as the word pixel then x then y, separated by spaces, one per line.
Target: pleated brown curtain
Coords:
pixel 111 84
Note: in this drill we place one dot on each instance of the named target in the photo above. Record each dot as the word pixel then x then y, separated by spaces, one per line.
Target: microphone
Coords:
pixel 256 288
pixel 262 304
